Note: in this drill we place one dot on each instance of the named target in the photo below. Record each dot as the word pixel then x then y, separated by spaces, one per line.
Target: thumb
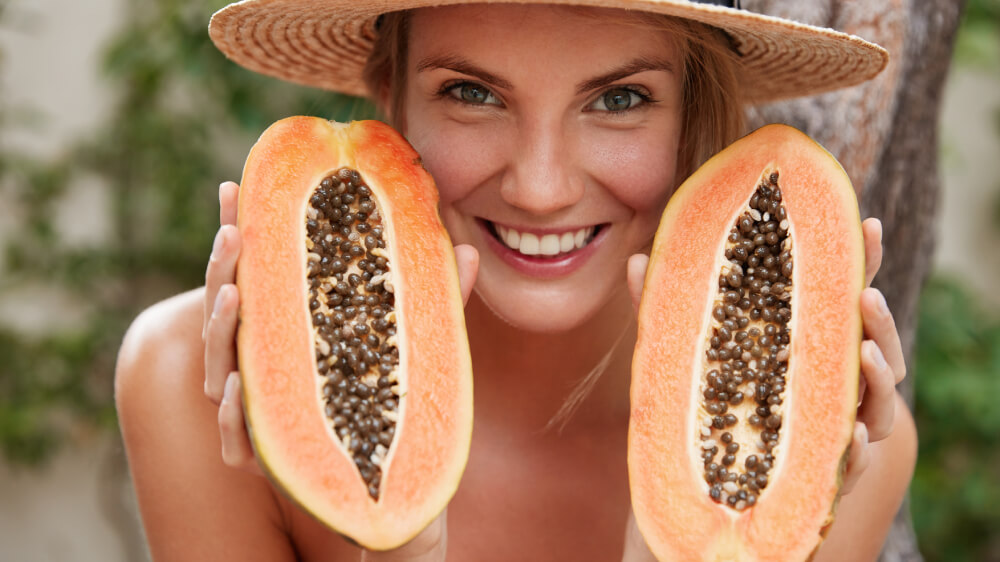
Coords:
pixel 636 275
pixel 430 545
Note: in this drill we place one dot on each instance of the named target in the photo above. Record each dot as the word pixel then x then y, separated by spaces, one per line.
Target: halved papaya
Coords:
pixel 357 379
pixel 745 373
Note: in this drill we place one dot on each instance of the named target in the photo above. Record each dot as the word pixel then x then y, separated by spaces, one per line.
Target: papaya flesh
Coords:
pixel 357 379
pixel 745 372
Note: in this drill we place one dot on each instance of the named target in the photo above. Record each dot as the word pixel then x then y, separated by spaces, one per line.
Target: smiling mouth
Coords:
pixel 545 245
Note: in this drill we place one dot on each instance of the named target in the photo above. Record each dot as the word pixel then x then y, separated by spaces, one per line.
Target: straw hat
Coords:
pixel 325 43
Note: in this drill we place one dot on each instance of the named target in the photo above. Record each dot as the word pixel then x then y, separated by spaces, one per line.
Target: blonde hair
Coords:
pixel 713 101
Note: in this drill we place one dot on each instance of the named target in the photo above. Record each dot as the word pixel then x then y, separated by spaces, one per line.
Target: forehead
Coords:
pixel 518 35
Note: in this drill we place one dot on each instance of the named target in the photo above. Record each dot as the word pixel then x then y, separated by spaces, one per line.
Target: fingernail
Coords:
pixel 232 381
pixel 878 357
pixel 883 307
pixel 219 299
pixel 219 243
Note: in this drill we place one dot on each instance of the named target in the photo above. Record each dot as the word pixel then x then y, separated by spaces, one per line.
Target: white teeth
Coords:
pixel 513 238
pixel 549 245
pixel 531 244
pixel 566 242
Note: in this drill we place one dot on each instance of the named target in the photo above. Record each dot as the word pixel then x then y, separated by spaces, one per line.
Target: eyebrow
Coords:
pixel 464 66
pixel 628 69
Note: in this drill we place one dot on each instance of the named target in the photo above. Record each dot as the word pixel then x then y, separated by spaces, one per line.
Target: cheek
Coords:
pixel 638 169
pixel 459 158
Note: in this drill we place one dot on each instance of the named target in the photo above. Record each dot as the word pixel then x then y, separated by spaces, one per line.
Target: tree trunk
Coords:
pixel 884 132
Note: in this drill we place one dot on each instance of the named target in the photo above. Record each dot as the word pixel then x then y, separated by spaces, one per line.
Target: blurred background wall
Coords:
pixel 117 122
pixel 76 504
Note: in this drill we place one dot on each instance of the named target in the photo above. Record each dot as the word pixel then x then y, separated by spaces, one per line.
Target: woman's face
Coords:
pixel 552 134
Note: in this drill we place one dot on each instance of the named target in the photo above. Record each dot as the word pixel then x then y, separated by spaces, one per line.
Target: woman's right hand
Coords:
pixel 219 334
pixel 222 381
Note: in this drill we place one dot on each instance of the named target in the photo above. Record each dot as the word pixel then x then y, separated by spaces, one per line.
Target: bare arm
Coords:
pixel 193 506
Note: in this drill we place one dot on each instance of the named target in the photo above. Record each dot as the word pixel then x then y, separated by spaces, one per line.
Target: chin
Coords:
pixel 544 312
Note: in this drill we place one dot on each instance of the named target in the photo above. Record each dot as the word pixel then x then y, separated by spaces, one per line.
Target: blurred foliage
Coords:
pixel 978 42
pixel 956 488
pixel 183 120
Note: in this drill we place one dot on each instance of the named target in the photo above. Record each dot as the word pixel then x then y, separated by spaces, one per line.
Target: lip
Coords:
pixel 543 267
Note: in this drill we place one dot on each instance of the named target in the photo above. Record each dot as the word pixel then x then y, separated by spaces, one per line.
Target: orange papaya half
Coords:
pixel 745 373
pixel 357 379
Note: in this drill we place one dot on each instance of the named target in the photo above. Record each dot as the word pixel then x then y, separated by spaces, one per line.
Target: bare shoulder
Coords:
pixel 161 355
pixel 170 330
pixel 193 506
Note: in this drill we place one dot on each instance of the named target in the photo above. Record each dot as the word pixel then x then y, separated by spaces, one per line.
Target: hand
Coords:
pixel 219 334
pixel 882 368
pixel 882 364
pixel 222 381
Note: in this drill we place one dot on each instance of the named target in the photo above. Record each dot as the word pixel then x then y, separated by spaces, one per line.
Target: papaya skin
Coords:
pixel 672 508
pixel 289 432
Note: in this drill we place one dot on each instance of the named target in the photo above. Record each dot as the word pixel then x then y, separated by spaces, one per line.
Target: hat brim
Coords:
pixel 325 43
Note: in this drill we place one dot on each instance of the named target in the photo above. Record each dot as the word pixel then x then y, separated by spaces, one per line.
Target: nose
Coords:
pixel 543 175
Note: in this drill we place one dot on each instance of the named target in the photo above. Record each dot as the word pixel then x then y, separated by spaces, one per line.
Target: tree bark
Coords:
pixel 885 133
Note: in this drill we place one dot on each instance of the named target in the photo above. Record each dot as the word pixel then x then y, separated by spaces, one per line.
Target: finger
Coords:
pixel 878 406
pixel 221 267
pixel 858 458
pixel 467 258
pixel 636 276
pixel 636 549
pixel 237 452
pixel 872 230
pixel 880 327
pixel 220 342
pixel 228 197
pixel 429 546
pixel 222 248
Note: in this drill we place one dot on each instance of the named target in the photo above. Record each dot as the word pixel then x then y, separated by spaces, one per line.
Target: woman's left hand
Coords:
pixel 882 368
pixel 882 364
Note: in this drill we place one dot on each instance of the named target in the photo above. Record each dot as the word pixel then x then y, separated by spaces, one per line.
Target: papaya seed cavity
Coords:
pixel 352 306
pixel 746 360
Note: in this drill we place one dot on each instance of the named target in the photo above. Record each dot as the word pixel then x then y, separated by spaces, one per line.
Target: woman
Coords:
pixel 535 120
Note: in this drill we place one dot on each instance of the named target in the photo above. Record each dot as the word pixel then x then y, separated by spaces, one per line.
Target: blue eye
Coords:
pixel 472 93
pixel 618 99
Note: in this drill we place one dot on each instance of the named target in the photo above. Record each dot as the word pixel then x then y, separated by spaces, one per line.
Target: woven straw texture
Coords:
pixel 325 43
